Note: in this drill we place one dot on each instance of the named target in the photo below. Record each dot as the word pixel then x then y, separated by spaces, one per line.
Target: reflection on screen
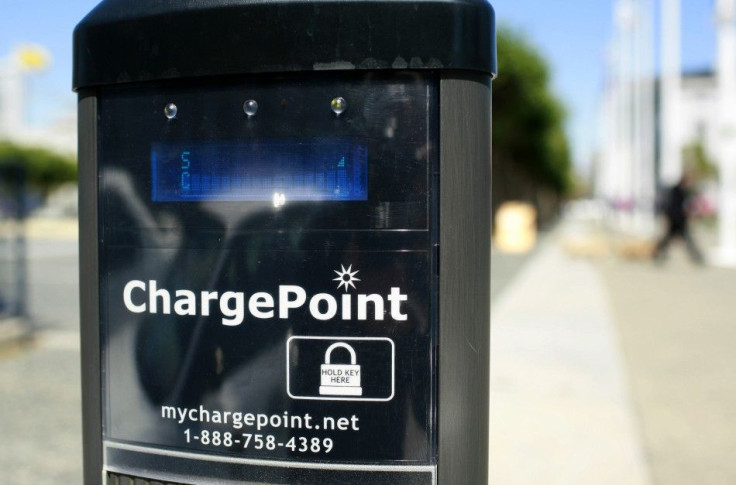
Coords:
pixel 319 170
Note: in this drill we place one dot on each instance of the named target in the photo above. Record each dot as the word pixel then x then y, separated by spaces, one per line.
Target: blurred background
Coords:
pixel 614 246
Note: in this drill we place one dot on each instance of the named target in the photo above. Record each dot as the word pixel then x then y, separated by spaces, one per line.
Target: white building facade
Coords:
pixel 692 108
pixel 699 108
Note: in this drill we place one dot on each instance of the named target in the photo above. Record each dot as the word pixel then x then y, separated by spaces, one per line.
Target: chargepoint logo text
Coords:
pixel 146 297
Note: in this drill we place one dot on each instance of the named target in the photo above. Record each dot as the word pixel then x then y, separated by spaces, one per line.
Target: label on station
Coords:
pixel 266 282
pixel 328 360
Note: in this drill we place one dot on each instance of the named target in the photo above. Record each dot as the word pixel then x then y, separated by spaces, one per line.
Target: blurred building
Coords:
pixel 648 120
pixel 699 102
pixel 625 171
pixel 58 135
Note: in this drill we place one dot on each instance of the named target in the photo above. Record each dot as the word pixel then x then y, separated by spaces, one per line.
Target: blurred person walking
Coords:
pixel 677 209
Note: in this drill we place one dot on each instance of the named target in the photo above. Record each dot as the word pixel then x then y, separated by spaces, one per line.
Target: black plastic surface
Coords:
pixel 224 473
pixel 152 360
pixel 124 41
pixel 89 302
pixel 465 268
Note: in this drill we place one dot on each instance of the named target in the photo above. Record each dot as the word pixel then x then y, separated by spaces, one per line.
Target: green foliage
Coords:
pixel 37 167
pixel 698 163
pixel 528 121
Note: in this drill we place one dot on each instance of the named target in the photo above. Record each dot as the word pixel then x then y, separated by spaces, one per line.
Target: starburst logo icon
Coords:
pixel 346 277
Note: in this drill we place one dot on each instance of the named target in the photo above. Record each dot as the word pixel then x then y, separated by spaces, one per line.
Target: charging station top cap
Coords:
pixel 127 41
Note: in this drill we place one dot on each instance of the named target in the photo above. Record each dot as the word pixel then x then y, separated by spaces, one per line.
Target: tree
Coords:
pixel 22 168
pixel 528 126
pixel 698 163
pixel 37 168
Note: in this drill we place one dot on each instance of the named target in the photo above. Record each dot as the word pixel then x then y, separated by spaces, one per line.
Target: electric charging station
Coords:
pixel 285 241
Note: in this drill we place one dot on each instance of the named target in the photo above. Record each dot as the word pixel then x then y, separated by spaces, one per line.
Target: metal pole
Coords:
pixel 648 171
pixel 623 109
pixel 671 82
pixel 20 253
pixel 633 109
pixel 645 120
pixel 12 92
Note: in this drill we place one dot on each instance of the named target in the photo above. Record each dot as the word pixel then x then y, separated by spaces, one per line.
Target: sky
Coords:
pixel 49 23
pixel 572 34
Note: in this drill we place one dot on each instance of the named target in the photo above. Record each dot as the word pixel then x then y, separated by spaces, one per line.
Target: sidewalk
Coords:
pixel 560 409
pixel 610 369
pixel 678 329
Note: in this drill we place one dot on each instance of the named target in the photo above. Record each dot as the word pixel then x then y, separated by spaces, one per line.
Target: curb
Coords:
pixel 41 228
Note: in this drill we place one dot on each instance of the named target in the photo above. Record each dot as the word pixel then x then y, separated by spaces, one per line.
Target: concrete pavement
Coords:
pixel 560 408
pixel 677 326
pixel 611 369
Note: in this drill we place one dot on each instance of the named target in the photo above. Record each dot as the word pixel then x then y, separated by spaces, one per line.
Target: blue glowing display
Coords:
pixel 279 171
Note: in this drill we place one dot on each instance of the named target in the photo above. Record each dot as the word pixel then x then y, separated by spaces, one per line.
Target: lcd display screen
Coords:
pixel 318 170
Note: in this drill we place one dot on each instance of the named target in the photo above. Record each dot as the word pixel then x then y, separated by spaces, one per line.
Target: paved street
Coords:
pixel 54 285
pixel 40 417
pixel 40 384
